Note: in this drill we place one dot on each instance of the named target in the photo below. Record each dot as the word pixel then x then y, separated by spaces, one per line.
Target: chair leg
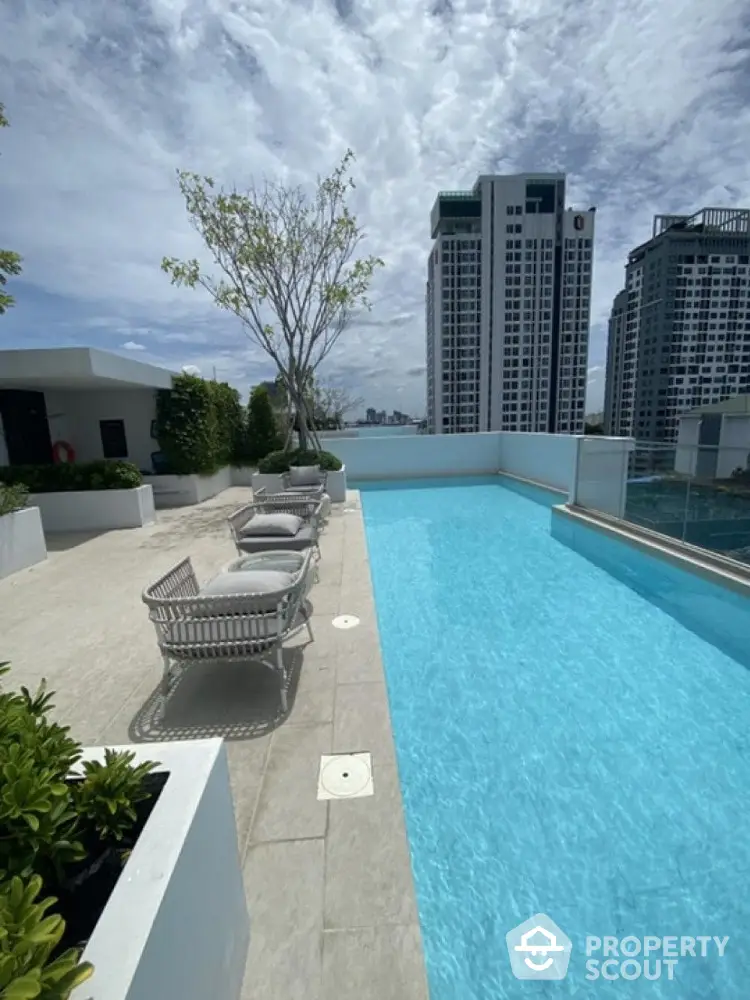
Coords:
pixel 282 677
pixel 307 622
pixel 166 677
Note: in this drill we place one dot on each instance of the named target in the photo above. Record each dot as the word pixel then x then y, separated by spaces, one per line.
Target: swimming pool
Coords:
pixel 564 745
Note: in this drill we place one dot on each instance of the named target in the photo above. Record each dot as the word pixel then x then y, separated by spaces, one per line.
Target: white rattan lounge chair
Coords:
pixel 289 525
pixel 237 616
pixel 304 481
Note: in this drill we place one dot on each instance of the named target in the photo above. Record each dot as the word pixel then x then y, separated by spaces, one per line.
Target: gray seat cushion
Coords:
pixel 304 538
pixel 304 475
pixel 281 524
pixel 282 562
pixel 246 636
pixel 257 582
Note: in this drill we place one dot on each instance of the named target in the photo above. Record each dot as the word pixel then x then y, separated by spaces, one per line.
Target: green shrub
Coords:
pixel 44 816
pixel 110 791
pixel 36 815
pixel 103 474
pixel 281 461
pixel 186 426
pixel 28 937
pixel 13 497
pixel 229 422
pixel 200 426
pixel 262 430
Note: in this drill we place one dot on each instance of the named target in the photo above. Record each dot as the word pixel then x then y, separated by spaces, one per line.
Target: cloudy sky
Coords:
pixel 644 104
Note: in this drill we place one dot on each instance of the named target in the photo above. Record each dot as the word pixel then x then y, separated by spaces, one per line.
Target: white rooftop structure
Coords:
pixel 77 368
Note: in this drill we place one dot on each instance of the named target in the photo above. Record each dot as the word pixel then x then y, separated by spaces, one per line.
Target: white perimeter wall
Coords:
pixel 595 478
pixel 413 455
pixel 74 417
pixel 601 474
pixel 543 458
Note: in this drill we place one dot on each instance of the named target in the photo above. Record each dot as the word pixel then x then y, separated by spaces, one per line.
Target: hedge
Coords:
pixel 200 425
pixel 67 476
pixel 281 461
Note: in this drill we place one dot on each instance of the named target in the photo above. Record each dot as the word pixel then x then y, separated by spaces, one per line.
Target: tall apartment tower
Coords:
pixel 679 333
pixel 507 310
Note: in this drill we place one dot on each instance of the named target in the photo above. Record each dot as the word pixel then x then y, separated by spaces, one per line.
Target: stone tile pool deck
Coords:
pixel 329 886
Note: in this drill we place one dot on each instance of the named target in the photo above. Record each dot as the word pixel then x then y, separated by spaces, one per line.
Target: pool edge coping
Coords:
pixel 709 566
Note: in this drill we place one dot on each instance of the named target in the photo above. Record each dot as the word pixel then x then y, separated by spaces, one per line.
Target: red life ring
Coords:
pixel 60 447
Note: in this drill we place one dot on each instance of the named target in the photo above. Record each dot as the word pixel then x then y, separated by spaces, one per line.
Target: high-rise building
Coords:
pixel 679 334
pixel 507 307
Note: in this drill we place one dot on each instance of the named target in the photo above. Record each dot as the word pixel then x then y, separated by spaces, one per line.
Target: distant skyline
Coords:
pixel 645 109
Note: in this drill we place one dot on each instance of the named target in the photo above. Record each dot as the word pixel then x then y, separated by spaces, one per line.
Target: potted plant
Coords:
pixel 83 496
pixel 271 468
pixel 22 541
pixel 102 836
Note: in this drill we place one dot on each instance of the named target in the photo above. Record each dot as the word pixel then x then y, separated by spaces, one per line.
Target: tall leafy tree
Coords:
pixel 10 262
pixel 287 267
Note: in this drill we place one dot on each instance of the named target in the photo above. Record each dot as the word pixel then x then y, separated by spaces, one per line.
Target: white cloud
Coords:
pixel 131 345
pixel 642 104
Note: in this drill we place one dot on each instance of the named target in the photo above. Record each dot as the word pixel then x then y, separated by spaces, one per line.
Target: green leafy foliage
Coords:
pixel 110 791
pixel 262 429
pixel 185 426
pixel 281 461
pixel 200 425
pixel 28 937
pixel 36 816
pixel 229 422
pixel 45 819
pixel 10 262
pixel 44 816
pixel 104 474
pixel 287 267
pixel 13 497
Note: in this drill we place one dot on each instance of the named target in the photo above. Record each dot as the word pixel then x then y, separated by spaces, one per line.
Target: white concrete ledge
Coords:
pixel 94 510
pixel 183 491
pixel 21 540
pixel 176 925
pixel 242 475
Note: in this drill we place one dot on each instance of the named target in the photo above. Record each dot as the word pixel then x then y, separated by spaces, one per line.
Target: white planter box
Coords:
pixel 270 482
pixel 183 491
pixel 242 475
pixel 94 510
pixel 21 540
pixel 335 484
pixel 176 925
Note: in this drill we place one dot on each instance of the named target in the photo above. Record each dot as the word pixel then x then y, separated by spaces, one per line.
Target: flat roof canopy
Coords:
pixel 77 368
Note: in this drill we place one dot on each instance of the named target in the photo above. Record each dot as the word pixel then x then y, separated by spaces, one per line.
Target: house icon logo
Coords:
pixel 538 949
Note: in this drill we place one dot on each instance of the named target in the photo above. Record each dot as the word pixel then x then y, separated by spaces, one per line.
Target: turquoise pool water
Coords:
pixel 565 746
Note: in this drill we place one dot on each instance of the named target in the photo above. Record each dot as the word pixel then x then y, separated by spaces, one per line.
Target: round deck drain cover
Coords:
pixel 346 621
pixel 345 775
